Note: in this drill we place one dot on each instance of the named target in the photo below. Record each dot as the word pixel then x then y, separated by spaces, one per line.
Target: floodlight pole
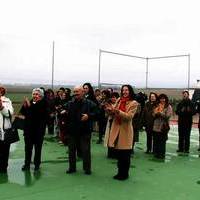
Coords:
pixel 147 71
pixel 188 71
pixel 52 70
pixel 99 70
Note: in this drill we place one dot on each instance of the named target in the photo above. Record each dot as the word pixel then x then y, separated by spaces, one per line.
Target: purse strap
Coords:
pixel 10 117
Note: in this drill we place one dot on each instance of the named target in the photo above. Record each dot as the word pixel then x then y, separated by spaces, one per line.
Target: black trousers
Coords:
pixel 50 125
pixel 135 138
pixel 184 137
pixel 111 152
pixel 81 142
pixel 29 144
pixel 149 144
pixel 159 142
pixel 123 162
pixel 4 155
pixel 102 127
pixel 199 137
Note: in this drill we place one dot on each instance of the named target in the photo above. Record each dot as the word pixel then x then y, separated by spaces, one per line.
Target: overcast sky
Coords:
pixel 147 28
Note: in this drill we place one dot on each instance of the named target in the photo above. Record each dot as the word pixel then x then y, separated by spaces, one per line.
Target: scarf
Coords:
pixel 159 108
pixel 122 107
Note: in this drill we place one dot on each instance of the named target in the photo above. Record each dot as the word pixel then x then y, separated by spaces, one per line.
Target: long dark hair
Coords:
pixel 91 91
pixel 161 96
pixel 153 94
pixel 131 91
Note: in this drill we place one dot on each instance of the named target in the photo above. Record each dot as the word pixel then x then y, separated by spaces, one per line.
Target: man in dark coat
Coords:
pixel 80 111
pixel 36 113
pixel 185 110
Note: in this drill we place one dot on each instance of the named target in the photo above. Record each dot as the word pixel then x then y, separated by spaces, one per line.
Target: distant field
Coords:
pixel 18 89
pixel 171 93
pixel 17 99
pixel 17 93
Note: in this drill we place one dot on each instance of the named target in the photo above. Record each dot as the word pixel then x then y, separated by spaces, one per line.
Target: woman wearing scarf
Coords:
pixel 121 132
pixel 161 114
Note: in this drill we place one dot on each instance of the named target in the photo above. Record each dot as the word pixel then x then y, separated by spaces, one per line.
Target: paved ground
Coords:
pixel 178 178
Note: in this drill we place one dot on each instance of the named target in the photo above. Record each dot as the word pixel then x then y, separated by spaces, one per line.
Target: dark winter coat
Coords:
pixel 185 110
pixel 35 119
pixel 148 118
pixel 75 109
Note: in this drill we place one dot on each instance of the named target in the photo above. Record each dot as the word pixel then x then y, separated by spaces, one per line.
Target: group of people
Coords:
pixel 156 121
pixel 117 116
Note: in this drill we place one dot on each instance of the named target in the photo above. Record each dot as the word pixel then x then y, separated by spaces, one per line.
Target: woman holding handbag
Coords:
pixel 6 110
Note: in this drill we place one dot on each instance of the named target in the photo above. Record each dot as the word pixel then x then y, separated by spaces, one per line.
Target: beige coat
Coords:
pixel 120 136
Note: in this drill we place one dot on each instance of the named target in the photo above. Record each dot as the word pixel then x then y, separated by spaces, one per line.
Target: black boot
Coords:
pixel 123 168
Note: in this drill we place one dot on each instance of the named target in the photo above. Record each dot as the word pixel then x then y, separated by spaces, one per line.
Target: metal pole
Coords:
pixel 122 54
pixel 188 71
pixel 147 71
pixel 52 78
pixel 161 57
pixel 99 71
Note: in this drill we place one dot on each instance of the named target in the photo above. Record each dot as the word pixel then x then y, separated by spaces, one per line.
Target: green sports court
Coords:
pixel 178 178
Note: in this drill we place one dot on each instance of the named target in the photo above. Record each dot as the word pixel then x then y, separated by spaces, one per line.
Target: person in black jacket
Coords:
pixel 36 114
pixel 80 111
pixel 102 117
pixel 185 110
pixel 148 120
pixel 89 92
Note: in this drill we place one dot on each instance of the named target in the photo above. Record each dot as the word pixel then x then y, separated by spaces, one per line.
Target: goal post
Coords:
pixel 146 66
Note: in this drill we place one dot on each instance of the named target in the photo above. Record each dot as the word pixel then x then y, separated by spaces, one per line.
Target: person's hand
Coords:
pixel 52 115
pixel 26 102
pixel 116 111
pixel 84 117
pixel 62 112
pixel 19 116
pixel 158 114
pixel 108 107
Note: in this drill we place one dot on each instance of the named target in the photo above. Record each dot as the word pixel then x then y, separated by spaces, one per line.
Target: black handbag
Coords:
pixel 165 127
pixel 18 123
pixel 11 134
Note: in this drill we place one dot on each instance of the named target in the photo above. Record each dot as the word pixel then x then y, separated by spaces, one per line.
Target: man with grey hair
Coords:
pixel 81 112
pixel 35 113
